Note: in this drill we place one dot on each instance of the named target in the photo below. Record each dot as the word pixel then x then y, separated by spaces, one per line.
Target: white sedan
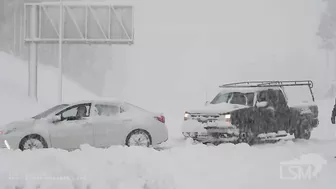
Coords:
pixel 97 123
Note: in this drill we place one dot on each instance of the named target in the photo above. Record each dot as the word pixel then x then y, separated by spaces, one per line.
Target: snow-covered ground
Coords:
pixel 183 165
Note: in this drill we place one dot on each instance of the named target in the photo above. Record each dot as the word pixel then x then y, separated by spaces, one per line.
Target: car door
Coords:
pixel 72 130
pixel 264 118
pixel 109 127
pixel 282 112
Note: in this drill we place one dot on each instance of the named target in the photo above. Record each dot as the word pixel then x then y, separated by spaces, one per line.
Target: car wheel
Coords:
pixel 186 135
pixel 139 137
pixel 303 134
pixel 32 142
pixel 192 135
pixel 246 137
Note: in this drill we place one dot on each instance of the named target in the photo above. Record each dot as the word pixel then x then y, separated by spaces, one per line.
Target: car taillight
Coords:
pixel 162 119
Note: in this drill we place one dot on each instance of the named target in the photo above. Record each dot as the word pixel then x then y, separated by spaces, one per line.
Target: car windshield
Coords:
pixel 221 98
pixel 234 98
pixel 50 111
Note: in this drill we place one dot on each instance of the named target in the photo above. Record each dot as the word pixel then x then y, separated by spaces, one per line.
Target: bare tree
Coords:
pixel 327 28
pixel 327 33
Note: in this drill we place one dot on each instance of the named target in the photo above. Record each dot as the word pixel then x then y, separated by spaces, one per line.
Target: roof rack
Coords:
pixel 281 84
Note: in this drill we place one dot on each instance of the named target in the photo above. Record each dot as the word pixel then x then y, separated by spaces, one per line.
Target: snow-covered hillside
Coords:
pixel 15 103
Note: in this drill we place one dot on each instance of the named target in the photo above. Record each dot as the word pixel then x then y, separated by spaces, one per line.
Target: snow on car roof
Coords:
pixel 247 89
pixel 97 100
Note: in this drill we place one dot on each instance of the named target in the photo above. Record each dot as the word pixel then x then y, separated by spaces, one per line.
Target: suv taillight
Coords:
pixel 162 119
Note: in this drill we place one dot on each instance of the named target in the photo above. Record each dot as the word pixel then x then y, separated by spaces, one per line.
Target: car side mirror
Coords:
pixel 262 104
pixel 206 103
pixel 55 119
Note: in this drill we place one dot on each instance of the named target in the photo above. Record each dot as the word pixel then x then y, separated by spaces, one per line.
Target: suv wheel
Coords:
pixel 303 131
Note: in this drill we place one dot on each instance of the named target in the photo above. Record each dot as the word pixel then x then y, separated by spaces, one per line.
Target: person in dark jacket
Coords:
pixel 333 114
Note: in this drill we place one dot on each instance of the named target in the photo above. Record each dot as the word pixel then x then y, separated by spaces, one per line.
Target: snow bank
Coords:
pixel 188 166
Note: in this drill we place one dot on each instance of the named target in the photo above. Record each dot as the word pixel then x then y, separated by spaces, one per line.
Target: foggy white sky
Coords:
pixel 183 48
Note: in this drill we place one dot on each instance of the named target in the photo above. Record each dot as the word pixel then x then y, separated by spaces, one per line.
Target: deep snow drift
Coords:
pixel 185 166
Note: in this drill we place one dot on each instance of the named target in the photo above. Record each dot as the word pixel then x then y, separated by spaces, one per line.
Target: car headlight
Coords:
pixel 227 118
pixel 5 132
pixel 186 116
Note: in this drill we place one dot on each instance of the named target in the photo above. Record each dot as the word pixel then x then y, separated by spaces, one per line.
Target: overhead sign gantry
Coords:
pixel 74 22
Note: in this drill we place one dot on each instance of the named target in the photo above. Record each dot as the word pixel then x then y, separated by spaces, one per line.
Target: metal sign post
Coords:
pixel 60 54
pixel 33 54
